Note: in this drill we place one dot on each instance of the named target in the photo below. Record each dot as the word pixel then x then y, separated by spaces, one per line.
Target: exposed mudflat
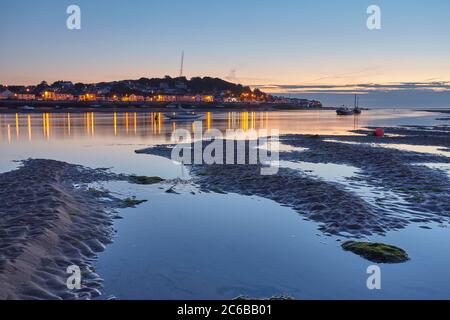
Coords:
pixel 49 220
pixel 424 192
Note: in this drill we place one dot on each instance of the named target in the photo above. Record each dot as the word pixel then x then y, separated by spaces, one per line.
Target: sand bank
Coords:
pixel 49 220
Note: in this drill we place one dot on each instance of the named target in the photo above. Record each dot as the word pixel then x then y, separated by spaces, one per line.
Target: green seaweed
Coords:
pixel 145 180
pixel 133 202
pixel 376 252
pixel 97 192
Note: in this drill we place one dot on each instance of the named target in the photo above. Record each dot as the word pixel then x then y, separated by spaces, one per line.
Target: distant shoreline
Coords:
pixel 437 110
pixel 14 106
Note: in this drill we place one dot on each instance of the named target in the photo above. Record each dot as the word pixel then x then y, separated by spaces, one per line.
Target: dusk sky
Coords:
pixel 310 48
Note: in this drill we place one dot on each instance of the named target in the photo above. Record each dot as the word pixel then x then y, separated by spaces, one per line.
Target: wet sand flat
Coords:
pixel 48 224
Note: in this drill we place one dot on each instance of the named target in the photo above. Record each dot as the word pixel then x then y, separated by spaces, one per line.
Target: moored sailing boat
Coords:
pixel 346 111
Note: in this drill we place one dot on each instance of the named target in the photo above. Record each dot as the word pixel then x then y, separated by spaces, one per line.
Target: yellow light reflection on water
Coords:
pixel 159 122
pixel 43 124
pixel 89 125
pixel 29 127
pixel 47 124
pixel 252 120
pixel 244 121
pixel 115 123
pixel 208 120
pixel 92 123
pixel 17 126
pixel 68 123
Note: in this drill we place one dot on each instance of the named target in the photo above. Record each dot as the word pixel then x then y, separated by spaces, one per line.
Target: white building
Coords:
pixel 25 96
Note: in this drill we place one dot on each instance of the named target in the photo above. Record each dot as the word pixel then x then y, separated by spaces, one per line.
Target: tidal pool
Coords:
pixel 216 246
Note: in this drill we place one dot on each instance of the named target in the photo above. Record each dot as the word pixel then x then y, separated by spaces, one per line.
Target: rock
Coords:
pixel 376 252
pixel 145 180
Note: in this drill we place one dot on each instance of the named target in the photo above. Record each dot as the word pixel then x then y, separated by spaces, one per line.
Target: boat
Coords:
pixel 27 108
pixel 183 115
pixel 345 111
pixel 357 110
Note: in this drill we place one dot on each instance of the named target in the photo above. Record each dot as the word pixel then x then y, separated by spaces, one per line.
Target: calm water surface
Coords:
pixel 186 246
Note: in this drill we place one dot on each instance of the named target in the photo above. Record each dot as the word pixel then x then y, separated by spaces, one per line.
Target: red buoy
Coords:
pixel 379 132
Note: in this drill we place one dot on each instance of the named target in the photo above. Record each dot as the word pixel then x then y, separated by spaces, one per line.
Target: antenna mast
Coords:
pixel 182 64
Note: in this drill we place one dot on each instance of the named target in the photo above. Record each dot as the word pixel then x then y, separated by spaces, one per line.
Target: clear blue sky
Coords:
pixel 257 42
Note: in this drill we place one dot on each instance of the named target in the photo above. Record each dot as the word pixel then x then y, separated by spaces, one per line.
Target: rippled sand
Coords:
pixel 420 194
pixel 49 221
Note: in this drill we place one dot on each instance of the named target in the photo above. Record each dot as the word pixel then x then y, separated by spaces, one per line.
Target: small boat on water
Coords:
pixel 183 115
pixel 27 108
pixel 177 116
pixel 357 110
pixel 345 111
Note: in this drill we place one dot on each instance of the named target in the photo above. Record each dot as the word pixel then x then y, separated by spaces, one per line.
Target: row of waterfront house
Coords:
pixel 53 95
pixel 57 96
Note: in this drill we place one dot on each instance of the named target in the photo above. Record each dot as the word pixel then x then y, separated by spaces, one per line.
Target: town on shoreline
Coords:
pixel 207 93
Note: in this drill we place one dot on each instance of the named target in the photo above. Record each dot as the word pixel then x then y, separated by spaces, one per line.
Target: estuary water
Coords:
pixel 195 245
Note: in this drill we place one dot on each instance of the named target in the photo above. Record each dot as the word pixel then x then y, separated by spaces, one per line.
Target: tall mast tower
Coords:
pixel 182 63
